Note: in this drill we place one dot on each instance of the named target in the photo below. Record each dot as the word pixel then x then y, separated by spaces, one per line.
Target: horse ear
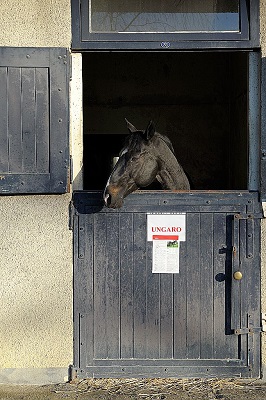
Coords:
pixel 150 131
pixel 130 127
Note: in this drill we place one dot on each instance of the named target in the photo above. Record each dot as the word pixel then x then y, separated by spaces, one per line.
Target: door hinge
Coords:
pixel 244 331
pixel 248 216
pixel 250 329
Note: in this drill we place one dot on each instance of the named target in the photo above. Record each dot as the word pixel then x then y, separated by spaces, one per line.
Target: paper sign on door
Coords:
pixel 166 231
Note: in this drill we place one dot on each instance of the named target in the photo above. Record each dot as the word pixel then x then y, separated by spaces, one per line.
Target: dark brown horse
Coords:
pixel 146 156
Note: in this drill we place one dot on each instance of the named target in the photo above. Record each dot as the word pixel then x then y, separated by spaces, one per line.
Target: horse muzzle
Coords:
pixel 112 197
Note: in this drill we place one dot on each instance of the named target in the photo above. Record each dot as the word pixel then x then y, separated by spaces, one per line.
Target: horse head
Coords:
pixel 143 159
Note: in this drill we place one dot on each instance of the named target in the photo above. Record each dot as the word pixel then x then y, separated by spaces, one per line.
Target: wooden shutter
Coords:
pixel 34 128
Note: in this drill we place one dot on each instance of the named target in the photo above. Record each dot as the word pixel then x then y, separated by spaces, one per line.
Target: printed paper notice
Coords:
pixel 165 257
pixel 166 231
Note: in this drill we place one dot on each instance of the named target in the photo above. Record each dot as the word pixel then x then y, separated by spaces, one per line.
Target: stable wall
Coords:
pixel 36 244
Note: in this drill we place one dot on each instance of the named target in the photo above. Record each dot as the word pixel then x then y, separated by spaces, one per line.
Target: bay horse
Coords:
pixel 146 156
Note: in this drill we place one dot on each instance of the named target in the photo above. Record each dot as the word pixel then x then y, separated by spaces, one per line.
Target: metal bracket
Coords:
pixel 250 329
pixel 71 216
pixel 263 322
pixel 244 331
pixel 249 216
pixel 70 169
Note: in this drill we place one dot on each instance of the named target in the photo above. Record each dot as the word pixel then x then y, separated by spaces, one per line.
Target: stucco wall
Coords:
pixel 36 298
pixel 36 282
pixel 35 23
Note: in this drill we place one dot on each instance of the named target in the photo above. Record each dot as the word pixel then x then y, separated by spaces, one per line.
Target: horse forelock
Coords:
pixel 132 143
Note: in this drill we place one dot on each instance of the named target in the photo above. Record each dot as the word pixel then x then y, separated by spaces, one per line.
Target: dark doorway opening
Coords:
pixel 198 99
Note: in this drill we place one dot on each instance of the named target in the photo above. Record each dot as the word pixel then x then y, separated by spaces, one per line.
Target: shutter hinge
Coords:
pixel 71 215
pixel 70 170
pixel 263 322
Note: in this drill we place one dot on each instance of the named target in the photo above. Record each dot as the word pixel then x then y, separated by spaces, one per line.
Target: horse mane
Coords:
pixel 132 139
pixel 167 141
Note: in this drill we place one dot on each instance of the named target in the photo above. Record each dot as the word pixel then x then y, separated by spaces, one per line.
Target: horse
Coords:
pixel 147 156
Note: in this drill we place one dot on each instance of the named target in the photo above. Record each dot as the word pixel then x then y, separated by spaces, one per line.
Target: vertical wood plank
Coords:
pixel 153 309
pixel 42 120
pixel 193 286
pixel 140 285
pixel 28 120
pixel 14 120
pixel 4 121
pixel 180 304
pixel 112 286
pixel 126 285
pixel 86 281
pixel 166 320
pixel 206 284
pixel 247 278
pixel 100 275
pixel 219 300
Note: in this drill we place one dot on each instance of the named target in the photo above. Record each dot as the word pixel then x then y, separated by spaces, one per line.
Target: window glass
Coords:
pixel 162 16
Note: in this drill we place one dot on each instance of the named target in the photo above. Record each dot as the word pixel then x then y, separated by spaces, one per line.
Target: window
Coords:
pixel 153 24
pixel 163 16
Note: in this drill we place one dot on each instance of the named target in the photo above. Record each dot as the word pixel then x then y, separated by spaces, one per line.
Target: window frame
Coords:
pixel 248 37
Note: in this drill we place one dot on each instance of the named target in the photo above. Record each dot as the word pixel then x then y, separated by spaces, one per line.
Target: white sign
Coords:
pixel 166 231
pixel 164 226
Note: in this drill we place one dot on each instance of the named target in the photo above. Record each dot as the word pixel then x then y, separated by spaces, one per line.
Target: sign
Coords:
pixel 166 231
pixel 166 225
